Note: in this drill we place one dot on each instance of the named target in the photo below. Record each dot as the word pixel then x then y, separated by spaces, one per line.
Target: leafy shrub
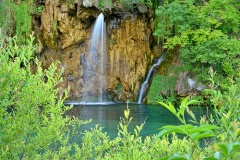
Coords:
pixel 222 124
pixel 16 19
pixel 220 54
pixel 31 114
pixel 207 34
pixel 226 108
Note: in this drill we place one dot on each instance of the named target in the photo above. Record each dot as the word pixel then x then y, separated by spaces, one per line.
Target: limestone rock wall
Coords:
pixel 63 32
pixel 130 54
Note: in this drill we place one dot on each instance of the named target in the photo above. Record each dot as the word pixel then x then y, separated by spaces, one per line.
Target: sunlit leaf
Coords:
pixel 202 135
pixel 211 158
pixel 224 149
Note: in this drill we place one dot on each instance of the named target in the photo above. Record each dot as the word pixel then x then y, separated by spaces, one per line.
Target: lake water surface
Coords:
pixel 108 116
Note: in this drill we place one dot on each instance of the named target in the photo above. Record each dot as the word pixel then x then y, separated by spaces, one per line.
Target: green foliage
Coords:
pixel 180 113
pixel 7 22
pixel 219 53
pixel 224 15
pixel 32 124
pixel 226 108
pixel 147 2
pixel 105 4
pixel 181 17
pixel 130 3
pixel 207 34
pixel 230 151
pixel 18 20
pixel 23 21
pixel 174 18
pixel 222 125
pixel 159 85
pixel 38 10
pixel 194 133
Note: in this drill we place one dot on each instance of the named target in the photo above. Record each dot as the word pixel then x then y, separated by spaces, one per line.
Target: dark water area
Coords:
pixel 108 116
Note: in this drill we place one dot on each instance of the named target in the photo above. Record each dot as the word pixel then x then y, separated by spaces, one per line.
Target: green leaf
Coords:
pixel 191 114
pixel 183 106
pixel 169 106
pixel 210 158
pixel 234 146
pixel 165 132
pixel 182 129
pixel 224 149
pixel 172 158
pixel 202 135
pixel 192 102
pixel 205 128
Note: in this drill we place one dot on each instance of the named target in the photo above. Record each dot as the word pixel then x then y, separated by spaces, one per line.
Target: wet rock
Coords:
pixel 65 37
pixel 142 8
pixel 90 3
pixel 186 84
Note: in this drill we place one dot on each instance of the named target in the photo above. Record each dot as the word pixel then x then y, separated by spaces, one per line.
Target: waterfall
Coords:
pixel 145 84
pixel 94 69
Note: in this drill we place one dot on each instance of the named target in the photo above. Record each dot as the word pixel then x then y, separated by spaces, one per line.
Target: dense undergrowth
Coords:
pixel 33 124
pixel 16 19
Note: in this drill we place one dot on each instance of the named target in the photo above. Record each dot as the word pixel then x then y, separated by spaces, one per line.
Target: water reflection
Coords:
pixel 108 116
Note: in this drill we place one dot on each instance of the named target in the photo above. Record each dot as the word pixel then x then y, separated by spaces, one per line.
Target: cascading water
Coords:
pixel 145 84
pixel 94 64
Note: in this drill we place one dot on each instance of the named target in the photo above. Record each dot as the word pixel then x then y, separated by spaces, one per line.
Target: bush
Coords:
pixel 16 19
pixel 207 34
pixel 32 124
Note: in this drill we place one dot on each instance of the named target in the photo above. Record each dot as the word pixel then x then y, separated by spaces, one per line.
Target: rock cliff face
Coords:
pixel 63 34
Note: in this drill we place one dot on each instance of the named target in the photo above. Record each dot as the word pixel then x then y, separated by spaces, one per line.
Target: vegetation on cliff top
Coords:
pixel 207 35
